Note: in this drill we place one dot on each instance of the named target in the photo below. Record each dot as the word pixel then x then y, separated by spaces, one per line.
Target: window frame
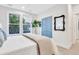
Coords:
pixel 20 22
pixel 14 24
pixel 29 21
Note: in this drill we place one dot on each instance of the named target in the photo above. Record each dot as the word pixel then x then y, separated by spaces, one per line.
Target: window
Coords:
pixel 19 24
pixel 26 25
pixel 14 20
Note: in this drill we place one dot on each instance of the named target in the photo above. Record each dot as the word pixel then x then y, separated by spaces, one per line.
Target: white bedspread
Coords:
pixel 47 46
pixel 16 43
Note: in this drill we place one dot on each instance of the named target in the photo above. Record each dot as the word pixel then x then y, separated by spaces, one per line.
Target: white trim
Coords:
pixel 9 23
pixel 20 24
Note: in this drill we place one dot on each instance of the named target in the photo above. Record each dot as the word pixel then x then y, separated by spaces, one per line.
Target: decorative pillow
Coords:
pixel 1 42
pixel 1 38
pixel 3 35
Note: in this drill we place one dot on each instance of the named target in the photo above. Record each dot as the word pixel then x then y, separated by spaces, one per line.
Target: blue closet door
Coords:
pixel 47 27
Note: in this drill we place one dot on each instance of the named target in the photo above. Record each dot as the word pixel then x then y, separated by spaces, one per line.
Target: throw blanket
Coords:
pixel 45 45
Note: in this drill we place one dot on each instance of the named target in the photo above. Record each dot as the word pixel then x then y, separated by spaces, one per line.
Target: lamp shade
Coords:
pixel 0 25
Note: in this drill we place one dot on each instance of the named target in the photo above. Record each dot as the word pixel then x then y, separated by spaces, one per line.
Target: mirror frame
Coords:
pixel 63 23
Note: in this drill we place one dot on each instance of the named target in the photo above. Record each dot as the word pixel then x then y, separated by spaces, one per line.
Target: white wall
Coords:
pixel 71 28
pixel 76 19
pixel 4 17
pixel 61 37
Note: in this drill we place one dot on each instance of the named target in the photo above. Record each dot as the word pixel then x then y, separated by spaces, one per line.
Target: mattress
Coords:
pixel 18 45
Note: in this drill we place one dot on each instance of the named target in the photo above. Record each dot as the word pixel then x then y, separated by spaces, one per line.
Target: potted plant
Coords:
pixel 35 25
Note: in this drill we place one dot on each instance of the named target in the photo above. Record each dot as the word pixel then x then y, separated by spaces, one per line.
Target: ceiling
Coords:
pixel 32 8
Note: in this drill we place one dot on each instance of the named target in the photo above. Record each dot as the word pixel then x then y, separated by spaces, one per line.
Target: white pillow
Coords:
pixel 1 43
pixel 2 39
pixel 2 36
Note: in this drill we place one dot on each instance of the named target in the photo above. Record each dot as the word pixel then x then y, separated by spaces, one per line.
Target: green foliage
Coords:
pixel 36 23
pixel 14 19
pixel 39 23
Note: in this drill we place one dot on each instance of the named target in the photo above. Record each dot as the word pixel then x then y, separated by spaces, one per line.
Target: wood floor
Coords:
pixel 74 50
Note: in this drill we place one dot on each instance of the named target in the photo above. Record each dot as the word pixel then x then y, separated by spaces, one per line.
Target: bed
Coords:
pixel 28 44
pixel 18 45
